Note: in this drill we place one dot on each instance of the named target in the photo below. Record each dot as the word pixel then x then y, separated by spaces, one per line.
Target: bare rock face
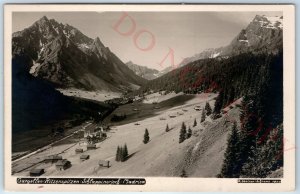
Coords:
pixel 263 34
pixel 65 57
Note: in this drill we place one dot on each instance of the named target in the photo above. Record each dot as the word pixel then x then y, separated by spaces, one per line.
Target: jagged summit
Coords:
pixel 269 21
pixel 98 42
pixel 64 56
pixel 263 34
pixel 44 18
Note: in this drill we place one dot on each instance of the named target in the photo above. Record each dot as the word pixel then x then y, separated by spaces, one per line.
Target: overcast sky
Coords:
pixel 185 33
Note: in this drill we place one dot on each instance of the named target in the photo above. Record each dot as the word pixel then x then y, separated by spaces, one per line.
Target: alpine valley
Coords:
pixel 218 114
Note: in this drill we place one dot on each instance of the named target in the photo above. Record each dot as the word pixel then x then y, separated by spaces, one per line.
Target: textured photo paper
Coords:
pixel 149 97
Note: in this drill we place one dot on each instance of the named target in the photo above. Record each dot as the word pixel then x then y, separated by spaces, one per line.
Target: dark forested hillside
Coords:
pixel 36 104
pixel 239 72
pixel 258 79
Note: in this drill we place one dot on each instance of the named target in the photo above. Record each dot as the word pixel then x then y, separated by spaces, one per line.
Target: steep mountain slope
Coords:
pixel 262 34
pixel 37 108
pixel 251 68
pixel 65 57
pixel 143 71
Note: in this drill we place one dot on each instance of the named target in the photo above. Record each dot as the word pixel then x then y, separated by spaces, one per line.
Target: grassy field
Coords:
pixel 200 156
pixel 137 111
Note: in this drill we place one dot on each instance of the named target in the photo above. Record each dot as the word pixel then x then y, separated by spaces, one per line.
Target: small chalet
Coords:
pixel 53 158
pixel 91 146
pixel 63 164
pixel 197 108
pixel 84 157
pixel 172 115
pixel 36 172
pixel 104 163
pixel 79 150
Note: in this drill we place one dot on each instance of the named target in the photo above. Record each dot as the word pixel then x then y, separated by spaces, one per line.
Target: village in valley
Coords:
pixel 80 110
pixel 120 145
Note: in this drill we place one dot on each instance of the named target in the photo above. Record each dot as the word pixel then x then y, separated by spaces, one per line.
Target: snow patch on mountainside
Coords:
pixel 34 67
pixel 214 55
pixel 245 41
pixel 83 45
pixel 272 22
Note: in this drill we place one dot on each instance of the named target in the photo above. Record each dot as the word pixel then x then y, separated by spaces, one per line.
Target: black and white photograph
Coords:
pixel 161 93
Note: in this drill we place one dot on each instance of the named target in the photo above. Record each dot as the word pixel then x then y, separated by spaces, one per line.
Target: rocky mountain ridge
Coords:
pixel 67 58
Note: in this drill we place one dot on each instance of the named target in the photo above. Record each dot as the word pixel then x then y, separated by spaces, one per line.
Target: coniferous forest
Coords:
pixel 217 113
pixel 255 144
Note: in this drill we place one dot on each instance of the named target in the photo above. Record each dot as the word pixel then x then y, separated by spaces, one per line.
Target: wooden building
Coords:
pixel 104 163
pixel 53 158
pixel 37 172
pixel 63 164
pixel 91 146
pixel 79 150
pixel 84 157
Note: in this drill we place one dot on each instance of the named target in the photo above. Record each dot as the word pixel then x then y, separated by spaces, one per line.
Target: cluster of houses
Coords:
pixel 63 164
pixel 92 135
pixel 60 164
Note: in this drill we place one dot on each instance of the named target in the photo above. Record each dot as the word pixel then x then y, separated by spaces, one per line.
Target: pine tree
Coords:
pixel 189 133
pixel 167 128
pixel 195 123
pixel 231 95
pixel 249 124
pixel 203 116
pixel 146 136
pixel 121 158
pixel 219 103
pixel 124 153
pixel 126 150
pixel 225 97
pixel 230 167
pixel 208 109
pixel 118 154
pixel 183 126
pixel 182 135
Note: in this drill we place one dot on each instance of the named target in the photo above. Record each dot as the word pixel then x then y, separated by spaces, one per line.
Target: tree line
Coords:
pixel 258 80
pixel 255 148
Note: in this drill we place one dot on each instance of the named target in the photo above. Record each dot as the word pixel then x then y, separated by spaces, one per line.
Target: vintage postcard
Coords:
pixel 149 97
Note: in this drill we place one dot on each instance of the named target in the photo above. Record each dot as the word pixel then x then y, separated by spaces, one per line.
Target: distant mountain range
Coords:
pixel 49 55
pixel 263 34
pixel 143 71
pixel 65 57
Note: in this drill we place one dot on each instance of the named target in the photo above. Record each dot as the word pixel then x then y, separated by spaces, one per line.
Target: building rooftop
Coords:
pixel 37 170
pixel 62 162
pixel 84 156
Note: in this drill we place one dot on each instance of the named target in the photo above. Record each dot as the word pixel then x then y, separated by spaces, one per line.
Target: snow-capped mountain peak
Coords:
pixel 263 34
pixel 269 21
